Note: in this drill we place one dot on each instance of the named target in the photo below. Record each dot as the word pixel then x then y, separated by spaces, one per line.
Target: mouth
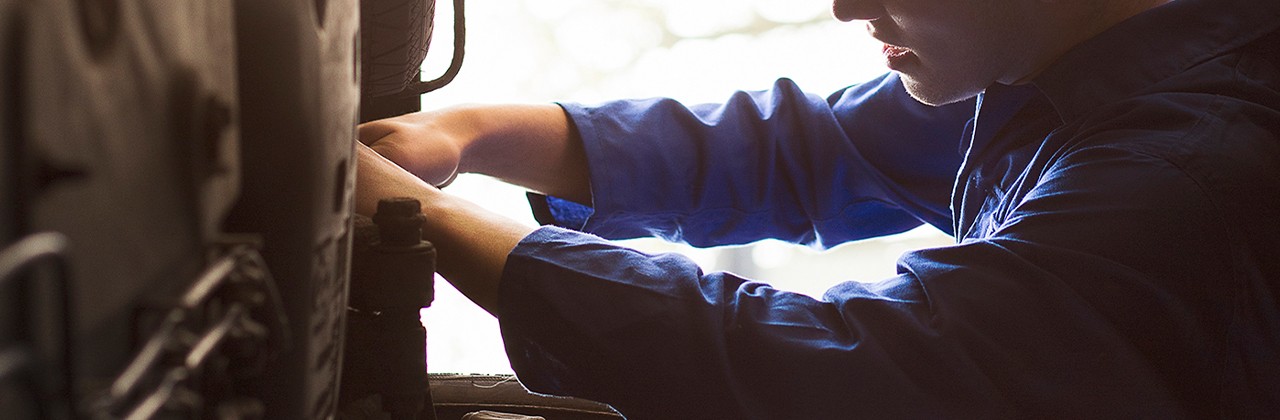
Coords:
pixel 893 51
pixel 897 57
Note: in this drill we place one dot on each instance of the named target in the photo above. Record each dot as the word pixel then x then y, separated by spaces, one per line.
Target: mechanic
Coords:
pixel 1115 200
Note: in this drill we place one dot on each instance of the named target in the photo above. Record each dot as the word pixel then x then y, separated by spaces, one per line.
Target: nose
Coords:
pixel 847 10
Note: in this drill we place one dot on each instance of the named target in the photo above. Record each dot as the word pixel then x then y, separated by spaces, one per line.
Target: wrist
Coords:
pixel 468 127
pixel 505 140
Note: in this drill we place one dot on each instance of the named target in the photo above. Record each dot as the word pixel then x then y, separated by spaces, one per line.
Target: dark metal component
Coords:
pixel 388 106
pixel 100 22
pixel 459 47
pixel 14 361
pixel 229 316
pixel 385 361
pixel 166 115
pixel 103 104
pixel 397 274
pixel 298 106
pixel 200 123
pixel 11 108
pixel 395 35
pixel 15 261
pixel 399 223
pixel 458 394
pixel 393 273
pixel 48 173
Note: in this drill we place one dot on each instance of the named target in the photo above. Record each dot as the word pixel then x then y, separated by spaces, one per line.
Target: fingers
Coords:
pixel 417 142
pixel 389 150
pixel 434 163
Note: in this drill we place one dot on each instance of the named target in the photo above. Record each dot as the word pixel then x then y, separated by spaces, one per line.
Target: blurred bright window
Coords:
pixel 538 51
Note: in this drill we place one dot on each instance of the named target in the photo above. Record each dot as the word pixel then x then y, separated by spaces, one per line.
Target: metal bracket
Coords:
pixel 19 361
pixel 232 313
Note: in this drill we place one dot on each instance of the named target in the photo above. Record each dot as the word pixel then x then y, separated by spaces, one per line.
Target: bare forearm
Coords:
pixel 472 243
pixel 526 145
pixel 530 146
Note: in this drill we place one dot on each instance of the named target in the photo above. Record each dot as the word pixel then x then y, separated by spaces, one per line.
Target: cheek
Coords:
pixel 969 46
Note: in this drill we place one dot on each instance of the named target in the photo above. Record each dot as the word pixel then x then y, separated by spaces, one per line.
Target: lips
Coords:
pixel 894 51
pixel 897 58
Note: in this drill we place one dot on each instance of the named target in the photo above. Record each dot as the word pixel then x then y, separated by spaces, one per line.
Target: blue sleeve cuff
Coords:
pixel 554 211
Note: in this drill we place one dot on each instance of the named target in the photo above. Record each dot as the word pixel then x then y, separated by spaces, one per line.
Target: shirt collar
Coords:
pixel 1150 47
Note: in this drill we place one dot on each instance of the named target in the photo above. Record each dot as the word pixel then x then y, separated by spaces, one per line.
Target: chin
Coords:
pixel 938 92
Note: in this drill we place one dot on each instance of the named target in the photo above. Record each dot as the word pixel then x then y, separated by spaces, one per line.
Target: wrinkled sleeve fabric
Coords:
pixel 778 164
pixel 1050 314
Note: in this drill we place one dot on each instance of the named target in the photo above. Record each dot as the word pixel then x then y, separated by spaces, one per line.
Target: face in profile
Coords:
pixel 949 50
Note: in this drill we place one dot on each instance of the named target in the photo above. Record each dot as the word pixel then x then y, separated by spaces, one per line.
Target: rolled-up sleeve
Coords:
pixel 778 164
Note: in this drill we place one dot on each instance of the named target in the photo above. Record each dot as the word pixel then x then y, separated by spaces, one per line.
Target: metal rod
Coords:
pixel 210 340
pixel 52 247
pixel 209 280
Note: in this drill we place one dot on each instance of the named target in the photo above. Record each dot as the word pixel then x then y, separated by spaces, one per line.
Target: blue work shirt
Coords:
pixel 1117 255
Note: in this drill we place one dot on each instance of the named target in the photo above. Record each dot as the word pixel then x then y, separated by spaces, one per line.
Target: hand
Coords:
pixel 526 145
pixel 420 143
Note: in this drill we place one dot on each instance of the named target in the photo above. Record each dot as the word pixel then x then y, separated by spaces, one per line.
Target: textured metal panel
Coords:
pixel 299 97
pixel 9 26
pixel 130 146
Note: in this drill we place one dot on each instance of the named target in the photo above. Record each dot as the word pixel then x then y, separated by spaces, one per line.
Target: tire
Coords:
pixel 394 36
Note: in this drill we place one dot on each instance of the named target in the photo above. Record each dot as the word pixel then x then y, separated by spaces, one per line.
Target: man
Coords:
pixel 1115 200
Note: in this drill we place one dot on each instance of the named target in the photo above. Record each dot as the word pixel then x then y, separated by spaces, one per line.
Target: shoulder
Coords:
pixel 1206 140
pixel 1218 117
